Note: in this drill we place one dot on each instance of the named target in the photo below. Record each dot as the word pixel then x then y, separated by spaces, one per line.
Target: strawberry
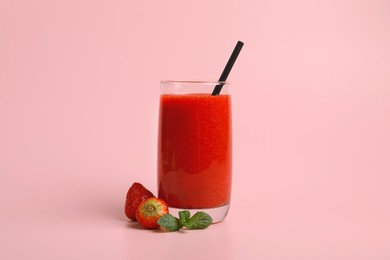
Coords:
pixel 149 211
pixel 135 195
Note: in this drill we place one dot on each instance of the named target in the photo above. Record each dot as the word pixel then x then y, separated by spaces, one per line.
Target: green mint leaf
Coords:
pixel 200 220
pixel 184 216
pixel 170 223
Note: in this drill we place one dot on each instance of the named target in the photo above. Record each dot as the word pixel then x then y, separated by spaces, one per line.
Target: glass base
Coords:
pixel 218 214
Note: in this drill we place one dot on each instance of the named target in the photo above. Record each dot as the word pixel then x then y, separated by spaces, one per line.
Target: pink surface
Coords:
pixel 79 86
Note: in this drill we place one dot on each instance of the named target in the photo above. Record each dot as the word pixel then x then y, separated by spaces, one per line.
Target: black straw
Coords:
pixel 228 67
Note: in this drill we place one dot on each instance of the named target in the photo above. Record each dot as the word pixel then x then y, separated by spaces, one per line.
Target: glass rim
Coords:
pixel 203 82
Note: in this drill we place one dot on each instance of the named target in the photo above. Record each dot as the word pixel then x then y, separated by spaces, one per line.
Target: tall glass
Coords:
pixel 195 147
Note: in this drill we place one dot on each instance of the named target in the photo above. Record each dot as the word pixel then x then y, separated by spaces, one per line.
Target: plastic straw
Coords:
pixel 228 68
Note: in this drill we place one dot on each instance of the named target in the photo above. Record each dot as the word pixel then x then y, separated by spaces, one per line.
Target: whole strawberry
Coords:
pixel 149 211
pixel 135 195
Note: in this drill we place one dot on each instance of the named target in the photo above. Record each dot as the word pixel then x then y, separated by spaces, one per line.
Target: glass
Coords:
pixel 195 147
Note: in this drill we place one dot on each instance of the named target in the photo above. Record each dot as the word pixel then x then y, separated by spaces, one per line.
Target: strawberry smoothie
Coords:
pixel 195 150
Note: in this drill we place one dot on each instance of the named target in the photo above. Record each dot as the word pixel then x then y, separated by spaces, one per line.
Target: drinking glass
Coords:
pixel 195 147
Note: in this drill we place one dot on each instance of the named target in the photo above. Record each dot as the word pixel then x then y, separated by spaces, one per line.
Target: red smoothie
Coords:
pixel 195 150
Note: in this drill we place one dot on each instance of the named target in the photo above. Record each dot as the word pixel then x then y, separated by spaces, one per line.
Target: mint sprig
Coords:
pixel 184 217
pixel 200 220
pixel 170 223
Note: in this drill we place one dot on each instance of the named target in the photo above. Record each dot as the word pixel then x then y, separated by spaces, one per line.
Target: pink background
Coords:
pixel 79 87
